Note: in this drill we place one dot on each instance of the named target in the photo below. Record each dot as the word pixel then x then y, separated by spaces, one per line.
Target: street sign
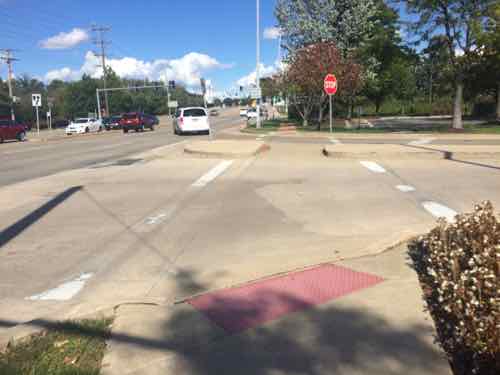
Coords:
pixel 330 84
pixel 37 100
pixel 255 92
pixel 173 104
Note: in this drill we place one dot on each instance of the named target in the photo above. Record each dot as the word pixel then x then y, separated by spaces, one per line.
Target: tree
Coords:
pixel 347 23
pixel 305 75
pixel 403 82
pixel 380 51
pixel 80 97
pixel 490 52
pixel 457 21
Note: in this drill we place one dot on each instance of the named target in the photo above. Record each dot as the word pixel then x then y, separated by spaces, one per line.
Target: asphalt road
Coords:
pixel 25 161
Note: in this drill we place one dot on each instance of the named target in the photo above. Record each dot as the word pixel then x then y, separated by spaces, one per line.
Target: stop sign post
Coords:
pixel 330 87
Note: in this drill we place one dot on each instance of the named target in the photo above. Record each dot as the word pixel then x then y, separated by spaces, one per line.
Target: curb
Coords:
pixel 24 331
pixel 221 154
pixel 423 155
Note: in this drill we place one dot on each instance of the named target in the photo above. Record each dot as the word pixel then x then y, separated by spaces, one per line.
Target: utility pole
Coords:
pixel 257 70
pixel 101 43
pixel 8 58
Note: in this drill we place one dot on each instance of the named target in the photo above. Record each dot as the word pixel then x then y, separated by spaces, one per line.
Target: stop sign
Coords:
pixel 330 84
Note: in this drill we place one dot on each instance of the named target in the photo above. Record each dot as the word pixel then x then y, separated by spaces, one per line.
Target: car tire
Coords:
pixel 21 137
pixel 152 128
pixel 87 130
pixel 125 130
pixel 100 129
pixel 1 140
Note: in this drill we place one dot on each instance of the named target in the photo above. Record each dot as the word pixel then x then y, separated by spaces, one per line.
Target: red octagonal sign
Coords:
pixel 330 84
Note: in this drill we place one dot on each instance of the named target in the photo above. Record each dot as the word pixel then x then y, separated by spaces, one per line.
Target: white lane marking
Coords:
pixel 63 292
pixel 372 166
pixel 421 142
pixel 405 188
pixel 152 220
pixel 213 173
pixel 161 217
pixel 335 141
pixel 438 210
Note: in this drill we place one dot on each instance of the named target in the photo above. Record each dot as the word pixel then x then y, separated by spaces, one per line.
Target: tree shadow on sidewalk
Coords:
pixel 328 339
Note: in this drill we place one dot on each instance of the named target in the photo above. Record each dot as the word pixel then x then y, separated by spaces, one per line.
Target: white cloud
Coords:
pixel 251 79
pixel 272 33
pixel 65 40
pixel 186 70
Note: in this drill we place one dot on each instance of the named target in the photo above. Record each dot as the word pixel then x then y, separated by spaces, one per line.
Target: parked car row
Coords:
pixel 186 120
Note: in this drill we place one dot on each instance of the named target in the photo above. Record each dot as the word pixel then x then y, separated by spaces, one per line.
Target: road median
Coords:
pixel 390 151
pixel 225 148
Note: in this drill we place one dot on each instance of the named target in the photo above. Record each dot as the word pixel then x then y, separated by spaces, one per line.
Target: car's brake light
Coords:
pixel 181 120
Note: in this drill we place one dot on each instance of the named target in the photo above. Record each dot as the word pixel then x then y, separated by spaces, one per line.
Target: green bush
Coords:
pixel 458 266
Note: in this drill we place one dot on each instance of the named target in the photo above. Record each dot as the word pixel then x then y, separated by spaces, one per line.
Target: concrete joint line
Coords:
pixel 212 174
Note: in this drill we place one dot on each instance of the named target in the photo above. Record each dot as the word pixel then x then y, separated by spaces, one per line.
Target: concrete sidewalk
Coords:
pixel 378 330
pixel 154 237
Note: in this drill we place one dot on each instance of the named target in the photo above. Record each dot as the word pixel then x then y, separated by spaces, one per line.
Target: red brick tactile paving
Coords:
pixel 238 309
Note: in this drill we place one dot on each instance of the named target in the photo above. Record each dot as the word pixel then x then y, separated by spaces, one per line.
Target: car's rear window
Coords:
pixel 194 112
pixel 81 121
pixel 130 116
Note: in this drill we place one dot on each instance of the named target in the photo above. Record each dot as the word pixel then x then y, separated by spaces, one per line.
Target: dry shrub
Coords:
pixel 458 266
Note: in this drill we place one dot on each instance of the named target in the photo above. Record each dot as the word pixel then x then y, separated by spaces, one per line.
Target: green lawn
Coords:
pixel 492 127
pixel 70 348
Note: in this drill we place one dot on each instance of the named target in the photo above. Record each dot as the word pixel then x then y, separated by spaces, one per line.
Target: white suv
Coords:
pixel 84 125
pixel 191 120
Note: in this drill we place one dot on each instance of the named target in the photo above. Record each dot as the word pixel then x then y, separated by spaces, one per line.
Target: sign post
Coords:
pixel 330 87
pixel 37 102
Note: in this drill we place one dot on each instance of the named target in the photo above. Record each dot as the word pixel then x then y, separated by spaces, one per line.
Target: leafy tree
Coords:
pixel 347 23
pixel 379 52
pixel 403 82
pixel 80 97
pixel 457 21
pixel 489 58
pixel 305 75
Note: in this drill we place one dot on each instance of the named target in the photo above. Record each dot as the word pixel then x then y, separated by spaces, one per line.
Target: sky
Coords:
pixel 180 40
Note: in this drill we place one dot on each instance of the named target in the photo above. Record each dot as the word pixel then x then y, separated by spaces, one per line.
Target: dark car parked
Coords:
pixel 12 130
pixel 112 122
pixel 136 121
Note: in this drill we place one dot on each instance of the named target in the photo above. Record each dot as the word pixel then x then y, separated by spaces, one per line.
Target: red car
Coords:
pixel 12 130
pixel 136 121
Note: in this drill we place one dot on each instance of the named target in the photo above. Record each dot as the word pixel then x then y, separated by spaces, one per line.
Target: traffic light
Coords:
pixel 241 88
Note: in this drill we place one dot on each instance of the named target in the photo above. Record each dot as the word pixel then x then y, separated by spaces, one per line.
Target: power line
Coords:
pixel 102 43
pixel 9 59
